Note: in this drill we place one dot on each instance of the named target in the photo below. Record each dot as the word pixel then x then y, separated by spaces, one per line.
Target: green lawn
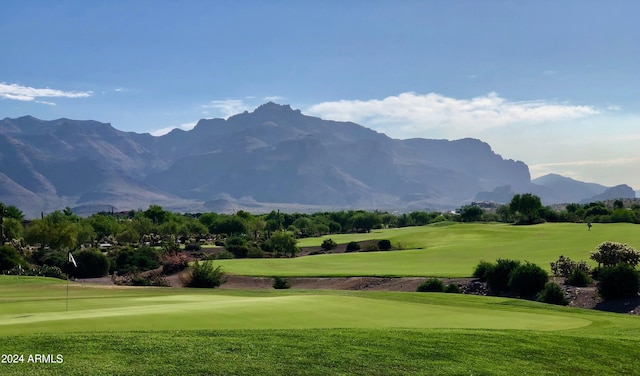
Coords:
pixel 144 331
pixel 444 251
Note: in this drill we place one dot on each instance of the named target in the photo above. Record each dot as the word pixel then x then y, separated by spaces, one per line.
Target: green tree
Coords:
pixel 526 208
pixel 471 213
pixel 156 214
pixel 366 221
pixel 13 228
pixel 283 243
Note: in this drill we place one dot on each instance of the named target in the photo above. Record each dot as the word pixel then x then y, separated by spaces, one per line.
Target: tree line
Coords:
pixel 146 239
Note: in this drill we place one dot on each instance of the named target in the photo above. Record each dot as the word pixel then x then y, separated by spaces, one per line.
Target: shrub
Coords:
pixel 612 253
pixel 224 255
pixel 482 270
pixel 328 244
pixel 353 247
pixel 431 285
pixel 452 288
pixel 173 263
pixel 371 248
pixel 204 275
pixel 579 278
pixel 552 293
pixel 498 276
pixel 280 283
pixel 9 258
pixel 384 245
pixel 528 279
pixel 193 247
pixel 91 264
pixel 138 259
pixel 620 281
pixel 564 266
pixel 255 252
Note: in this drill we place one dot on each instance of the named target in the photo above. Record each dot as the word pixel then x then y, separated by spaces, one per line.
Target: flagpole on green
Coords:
pixel 70 260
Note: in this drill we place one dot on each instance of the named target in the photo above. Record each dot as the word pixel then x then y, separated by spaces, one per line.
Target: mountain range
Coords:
pixel 272 158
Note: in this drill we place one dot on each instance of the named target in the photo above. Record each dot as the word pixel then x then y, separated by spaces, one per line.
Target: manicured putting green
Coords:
pixel 101 309
pixel 444 251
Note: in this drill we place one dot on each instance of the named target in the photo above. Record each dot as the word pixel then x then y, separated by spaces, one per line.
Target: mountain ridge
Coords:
pixel 274 155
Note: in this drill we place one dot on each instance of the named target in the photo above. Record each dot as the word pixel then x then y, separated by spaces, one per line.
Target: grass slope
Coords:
pixel 135 331
pixel 444 251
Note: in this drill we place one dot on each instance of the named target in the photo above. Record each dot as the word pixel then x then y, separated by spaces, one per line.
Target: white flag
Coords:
pixel 72 260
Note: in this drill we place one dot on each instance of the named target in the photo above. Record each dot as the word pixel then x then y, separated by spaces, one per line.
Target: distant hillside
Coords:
pixel 273 157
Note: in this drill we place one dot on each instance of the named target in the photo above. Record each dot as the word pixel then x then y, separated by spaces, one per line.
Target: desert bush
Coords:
pixel 280 283
pixel 527 279
pixel 552 293
pixel 371 248
pixel 10 258
pixel 255 252
pixel 224 255
pixel 238 246
pixel 137 279
pixel 204 275
pixel 564 266
pixel 482 270
pixel 175 262
pixel 384 245
pixel 498 276
pixel 579 278
pixel 620 281
pixel 38 271
pixel 452 288
pixel 136 259
pixel 328 244
pixel 192 247
pixel 91 264
pixel 431 285
pixel 613 253
pixel 353 247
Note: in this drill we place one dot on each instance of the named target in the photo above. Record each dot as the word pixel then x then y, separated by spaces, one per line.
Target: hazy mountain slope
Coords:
pixel 272 157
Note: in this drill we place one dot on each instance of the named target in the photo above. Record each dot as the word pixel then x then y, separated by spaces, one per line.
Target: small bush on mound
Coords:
pixel 620 281
pixel 204 275
pixel 482 270
pixel 370 248
pixel 498 276
pixel 431 285
pixel 224 255
pixel 353 247
pixel 578 278
pixel 175 262
pixel 552 293
pixel 528 279
pixel 328 244
pixel 564 266
pixel 384 245
pixel 280 283
pixel 452 288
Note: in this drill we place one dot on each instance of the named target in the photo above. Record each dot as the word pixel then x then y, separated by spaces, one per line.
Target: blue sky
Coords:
pixel 555 84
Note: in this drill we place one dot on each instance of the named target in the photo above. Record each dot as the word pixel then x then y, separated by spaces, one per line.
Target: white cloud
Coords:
pixel 28 94
pixel 186 126
pixel 228 107
pixel 47 103
pixel 415 115
pixel 273 98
